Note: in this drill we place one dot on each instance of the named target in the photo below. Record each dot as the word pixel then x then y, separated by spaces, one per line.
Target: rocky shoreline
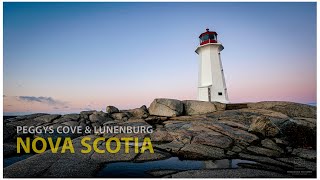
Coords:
pixel 279 136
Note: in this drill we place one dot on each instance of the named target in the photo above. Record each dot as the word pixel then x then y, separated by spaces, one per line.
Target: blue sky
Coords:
pixel 90 55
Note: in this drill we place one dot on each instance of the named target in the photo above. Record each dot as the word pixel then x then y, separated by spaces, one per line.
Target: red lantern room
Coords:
pixel 208 37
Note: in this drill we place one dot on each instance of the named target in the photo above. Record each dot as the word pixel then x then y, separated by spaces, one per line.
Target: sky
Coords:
pixel 70 57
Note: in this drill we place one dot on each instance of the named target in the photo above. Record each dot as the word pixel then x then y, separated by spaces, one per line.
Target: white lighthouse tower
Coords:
pixel 211 83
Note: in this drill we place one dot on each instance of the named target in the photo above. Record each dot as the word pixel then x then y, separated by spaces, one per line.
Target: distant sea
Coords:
pixel 312 104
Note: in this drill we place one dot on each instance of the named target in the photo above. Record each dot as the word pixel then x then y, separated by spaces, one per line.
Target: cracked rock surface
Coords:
pixel 278 136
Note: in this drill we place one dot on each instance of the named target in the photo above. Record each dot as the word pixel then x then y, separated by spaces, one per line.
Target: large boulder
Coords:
pixel 98 117
pixel 289 108
pixel 166 107
pixel 112 109
pixel 198 107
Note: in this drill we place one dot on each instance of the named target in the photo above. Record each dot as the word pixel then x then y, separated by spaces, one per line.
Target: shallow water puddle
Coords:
pixel 135 169
pixel 11 160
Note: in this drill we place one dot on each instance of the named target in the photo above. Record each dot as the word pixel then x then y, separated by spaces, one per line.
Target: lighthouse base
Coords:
pixel 207 93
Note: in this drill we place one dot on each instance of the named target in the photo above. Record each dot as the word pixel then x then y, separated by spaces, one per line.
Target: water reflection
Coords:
pixel 134 169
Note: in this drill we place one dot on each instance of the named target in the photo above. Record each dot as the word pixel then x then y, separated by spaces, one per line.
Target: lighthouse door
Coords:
pixel 209 93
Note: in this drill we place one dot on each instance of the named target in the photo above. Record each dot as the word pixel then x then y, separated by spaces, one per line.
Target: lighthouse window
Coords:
pixel 220 93
pixel 205 37
pixel 211 36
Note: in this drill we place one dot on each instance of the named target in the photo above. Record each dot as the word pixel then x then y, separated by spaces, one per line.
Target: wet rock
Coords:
pixel 268 143
pixel 263 126
pixel 309 154
pixel 289 108
pixel 228 173
pixel 213 140
pixel 198 107
pixel 166 107
pixel 198 151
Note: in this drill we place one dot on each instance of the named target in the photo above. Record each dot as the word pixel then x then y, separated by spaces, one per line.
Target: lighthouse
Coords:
pixel 211 82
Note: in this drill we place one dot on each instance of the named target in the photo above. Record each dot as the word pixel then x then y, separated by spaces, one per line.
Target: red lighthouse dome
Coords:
pixel 208 37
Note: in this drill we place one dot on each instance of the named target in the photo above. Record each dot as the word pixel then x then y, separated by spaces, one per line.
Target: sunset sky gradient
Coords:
pixel 69 57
